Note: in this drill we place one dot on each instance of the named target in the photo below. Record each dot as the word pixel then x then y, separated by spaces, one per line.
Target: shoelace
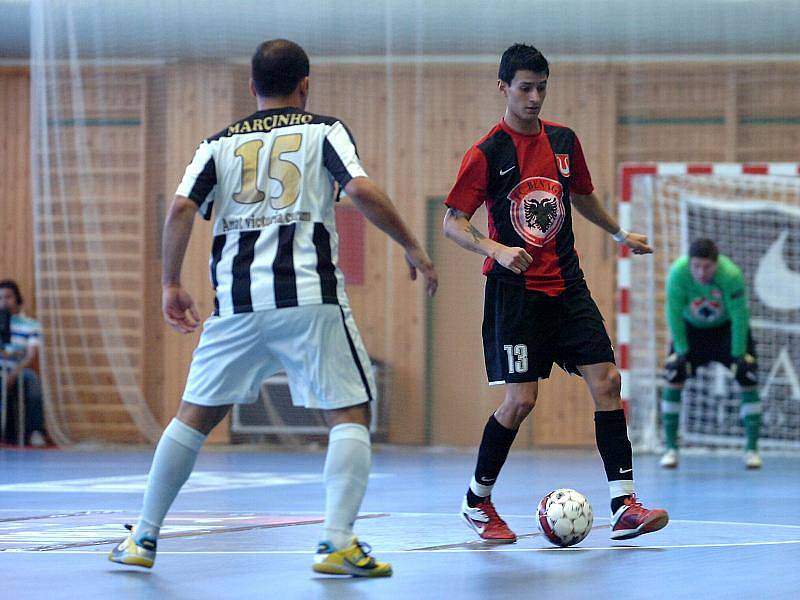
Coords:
pixel 632 501
pixel 489 510
pixel 365 550
pixel 147 544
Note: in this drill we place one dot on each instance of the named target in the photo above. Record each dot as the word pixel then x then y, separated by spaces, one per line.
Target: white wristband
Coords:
pixel 620 235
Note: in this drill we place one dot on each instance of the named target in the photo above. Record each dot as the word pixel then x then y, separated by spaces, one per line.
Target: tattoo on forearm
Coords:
pixel 477 236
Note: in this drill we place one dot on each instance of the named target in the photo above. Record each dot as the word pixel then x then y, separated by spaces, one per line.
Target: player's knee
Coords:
pixel 524 405
pixel 359 414
pixel 614 380
pixel 608 385
pixel 518 404
pixel 201 418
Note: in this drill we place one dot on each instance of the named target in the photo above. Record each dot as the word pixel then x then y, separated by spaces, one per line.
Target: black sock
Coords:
pixel 615 449
pixel 617 502
pixel 472 499
pixel 492 454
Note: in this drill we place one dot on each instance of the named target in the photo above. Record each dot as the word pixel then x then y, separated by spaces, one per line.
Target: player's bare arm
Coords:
pixel 177 305
pixel 591 208
pixel 458 228
pixel 377 207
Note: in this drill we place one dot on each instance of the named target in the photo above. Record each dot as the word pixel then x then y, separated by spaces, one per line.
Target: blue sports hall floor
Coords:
pixel 247 523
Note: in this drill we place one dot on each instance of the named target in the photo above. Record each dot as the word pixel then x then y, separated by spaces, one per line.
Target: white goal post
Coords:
pixel 752 211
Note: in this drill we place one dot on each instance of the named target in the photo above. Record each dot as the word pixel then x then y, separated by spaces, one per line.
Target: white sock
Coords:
pixel 621 487
pixel 479 489
pixel 346 474
pixel 173 462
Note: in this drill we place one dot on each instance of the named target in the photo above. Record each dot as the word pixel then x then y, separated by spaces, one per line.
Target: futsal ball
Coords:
pixel 565 517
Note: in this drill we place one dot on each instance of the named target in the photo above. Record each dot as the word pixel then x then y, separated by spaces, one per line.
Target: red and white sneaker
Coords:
pixel 484 520
pixel 632 520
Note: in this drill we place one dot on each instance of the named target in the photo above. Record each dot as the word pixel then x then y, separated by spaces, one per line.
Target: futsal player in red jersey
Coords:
pixel 538 309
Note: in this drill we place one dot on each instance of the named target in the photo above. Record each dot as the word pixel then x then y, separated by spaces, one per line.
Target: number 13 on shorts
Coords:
pixel 517 358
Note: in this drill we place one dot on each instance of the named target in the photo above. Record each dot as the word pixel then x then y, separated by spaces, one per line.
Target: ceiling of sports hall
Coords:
pixel 175 29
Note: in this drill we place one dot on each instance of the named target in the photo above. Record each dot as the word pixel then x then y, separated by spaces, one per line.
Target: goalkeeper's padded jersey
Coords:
pixel 270 181
pixel 705 306
pixel 525 181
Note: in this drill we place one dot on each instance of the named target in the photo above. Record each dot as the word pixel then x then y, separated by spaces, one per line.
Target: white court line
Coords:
pixel 532 516
pixel 444 551
pixel 388 513
pixel 247 514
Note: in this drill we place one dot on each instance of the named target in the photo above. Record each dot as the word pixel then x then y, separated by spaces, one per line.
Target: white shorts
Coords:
pixel 318 346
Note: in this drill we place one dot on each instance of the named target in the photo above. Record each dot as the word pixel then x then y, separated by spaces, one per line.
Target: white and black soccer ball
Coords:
pixel 565 517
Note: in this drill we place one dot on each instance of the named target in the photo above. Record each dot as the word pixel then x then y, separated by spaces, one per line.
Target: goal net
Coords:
pixel 755 220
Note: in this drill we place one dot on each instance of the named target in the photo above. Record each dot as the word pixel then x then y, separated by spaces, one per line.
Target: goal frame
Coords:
pixel 629 170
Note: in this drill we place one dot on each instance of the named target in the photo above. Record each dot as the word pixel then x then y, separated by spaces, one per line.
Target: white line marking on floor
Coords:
pixel 447 551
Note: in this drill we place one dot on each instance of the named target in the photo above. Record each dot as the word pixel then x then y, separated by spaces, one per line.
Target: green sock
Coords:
pixel 751 417
pixel 670 413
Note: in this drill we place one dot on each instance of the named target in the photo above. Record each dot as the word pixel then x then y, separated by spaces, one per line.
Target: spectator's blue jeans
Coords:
pixel 34 412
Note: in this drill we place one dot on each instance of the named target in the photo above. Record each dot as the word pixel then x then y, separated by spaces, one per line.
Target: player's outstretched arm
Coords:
pixel 591 208
pixel 177 305
pixel 376 206
pixel 458 228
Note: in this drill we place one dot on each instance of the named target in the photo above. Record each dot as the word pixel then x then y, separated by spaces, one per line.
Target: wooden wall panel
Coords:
pixel 16 242
pixel 155 203
pixel 96 214
pixel 388 308
pixel 461 401
pixel 768 102
pixel 412 130
pixel 199 102
pixel 413 126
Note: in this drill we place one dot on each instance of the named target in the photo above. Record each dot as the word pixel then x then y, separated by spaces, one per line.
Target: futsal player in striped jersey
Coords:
pixel 538 310
pixel 269 180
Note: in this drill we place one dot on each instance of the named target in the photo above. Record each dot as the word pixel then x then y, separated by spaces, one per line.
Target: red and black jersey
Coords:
pixel 525 181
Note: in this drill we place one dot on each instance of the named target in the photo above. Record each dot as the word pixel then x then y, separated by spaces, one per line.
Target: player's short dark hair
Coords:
pixel 277 67
pixel 12 285
pixel 704 248
pixel 521 57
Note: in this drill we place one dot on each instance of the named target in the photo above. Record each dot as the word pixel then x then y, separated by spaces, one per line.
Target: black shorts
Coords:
pixel 712 344
pixel 525 332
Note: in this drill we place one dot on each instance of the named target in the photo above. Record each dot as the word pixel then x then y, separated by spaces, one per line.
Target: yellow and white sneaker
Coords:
pixel 353 560
pixel 128 552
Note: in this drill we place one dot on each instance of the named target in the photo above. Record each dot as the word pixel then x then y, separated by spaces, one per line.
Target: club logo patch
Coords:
pixel 704 309
pixel 537 209
pixel 562 160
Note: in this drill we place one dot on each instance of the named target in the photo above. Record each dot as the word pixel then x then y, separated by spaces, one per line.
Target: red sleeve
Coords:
pixel 469 190
pixel 580 179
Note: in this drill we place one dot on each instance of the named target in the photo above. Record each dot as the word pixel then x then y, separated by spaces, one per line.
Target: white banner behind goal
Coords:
pixel 755 220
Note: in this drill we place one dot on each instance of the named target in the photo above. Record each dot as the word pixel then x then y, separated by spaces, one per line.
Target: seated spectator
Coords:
pixel 17 358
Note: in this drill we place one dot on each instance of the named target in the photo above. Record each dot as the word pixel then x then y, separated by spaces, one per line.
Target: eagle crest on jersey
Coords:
pixel 540 214
pixel 537 209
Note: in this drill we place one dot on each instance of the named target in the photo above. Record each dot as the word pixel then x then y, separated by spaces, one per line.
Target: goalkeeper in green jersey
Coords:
pixel 709 320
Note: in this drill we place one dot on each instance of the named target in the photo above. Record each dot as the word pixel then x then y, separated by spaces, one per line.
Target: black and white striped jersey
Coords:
pixel 270 180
